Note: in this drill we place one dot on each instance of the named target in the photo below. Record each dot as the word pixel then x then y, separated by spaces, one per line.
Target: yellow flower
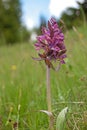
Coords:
pixel 81 35
pixel 13 67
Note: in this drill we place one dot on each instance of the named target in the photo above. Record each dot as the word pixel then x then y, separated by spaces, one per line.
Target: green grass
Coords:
pixel 24 86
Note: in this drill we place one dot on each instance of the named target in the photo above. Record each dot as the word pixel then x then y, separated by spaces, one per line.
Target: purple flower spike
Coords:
pixel 52 43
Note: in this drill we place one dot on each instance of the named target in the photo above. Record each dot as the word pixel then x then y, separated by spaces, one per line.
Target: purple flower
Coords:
pixel 52 43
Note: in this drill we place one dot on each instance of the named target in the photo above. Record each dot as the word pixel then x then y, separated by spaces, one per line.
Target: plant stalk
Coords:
pixel 51 118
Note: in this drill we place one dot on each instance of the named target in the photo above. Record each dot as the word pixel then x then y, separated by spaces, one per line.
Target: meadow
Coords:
pixel 23 85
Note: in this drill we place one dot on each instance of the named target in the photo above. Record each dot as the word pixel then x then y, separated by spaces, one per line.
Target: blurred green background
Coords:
pixel 23 80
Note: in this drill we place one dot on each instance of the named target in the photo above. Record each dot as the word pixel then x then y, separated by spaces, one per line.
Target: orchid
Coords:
pixel 52 43
pixel 50 47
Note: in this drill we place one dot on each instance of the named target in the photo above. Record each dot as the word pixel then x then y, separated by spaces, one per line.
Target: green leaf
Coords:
pixel 61 119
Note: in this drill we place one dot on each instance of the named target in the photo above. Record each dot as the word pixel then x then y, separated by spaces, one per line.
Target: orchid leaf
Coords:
pixel 61 119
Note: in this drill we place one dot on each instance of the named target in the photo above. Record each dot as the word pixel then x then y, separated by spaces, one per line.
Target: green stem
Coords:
pixel 51 118
pixel 48 90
